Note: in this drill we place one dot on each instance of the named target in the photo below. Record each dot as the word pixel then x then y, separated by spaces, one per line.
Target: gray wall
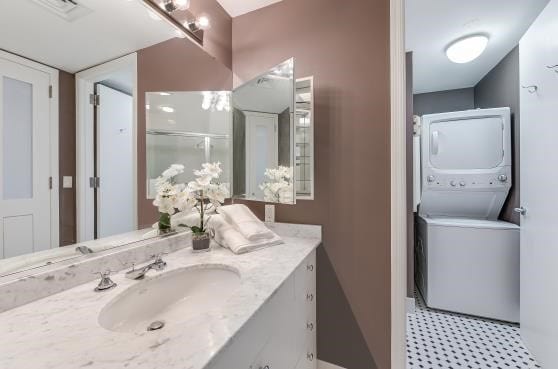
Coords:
pixel 409 161
pixel 500 88
pixel 284 135
pixel 444 101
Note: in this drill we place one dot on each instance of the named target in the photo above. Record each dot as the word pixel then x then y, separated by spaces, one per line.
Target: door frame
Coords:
pixel 398 184
pixel 53 129
pixel 85 160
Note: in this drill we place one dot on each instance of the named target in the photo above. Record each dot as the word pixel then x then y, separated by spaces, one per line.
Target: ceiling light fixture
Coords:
pixel 167 109
pixel 467 49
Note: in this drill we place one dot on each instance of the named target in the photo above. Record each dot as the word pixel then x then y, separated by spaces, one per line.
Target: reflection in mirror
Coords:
pixel 187 128
pixel 263 137
pixel 304 139
pixel 62 75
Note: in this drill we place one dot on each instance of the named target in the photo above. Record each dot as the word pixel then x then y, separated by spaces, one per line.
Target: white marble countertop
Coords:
pixel 62 331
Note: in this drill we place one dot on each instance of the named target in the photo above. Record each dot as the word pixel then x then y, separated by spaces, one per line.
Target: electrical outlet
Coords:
pixel 67 182
pixel 270 213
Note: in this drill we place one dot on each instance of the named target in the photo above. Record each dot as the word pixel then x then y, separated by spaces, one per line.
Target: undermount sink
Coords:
pixel 169 298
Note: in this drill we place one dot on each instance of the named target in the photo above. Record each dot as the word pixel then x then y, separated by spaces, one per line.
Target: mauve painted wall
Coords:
pixel 174 65
pixel 217 41
pixel 500 88
pixel 67 156
pixel 345 46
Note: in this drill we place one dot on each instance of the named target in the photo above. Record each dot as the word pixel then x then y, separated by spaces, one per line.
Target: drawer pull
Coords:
pixel 310 326
pixel 310 267
pixel 310 356
pixel 310 297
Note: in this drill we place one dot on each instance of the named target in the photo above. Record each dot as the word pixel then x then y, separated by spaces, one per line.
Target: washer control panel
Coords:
pixel 469 181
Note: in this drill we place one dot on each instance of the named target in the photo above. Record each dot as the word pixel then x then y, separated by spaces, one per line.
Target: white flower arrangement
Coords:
pixel 204 194
pixel 279 187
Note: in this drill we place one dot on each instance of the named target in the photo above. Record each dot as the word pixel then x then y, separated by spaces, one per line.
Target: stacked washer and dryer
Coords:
pixel 467 260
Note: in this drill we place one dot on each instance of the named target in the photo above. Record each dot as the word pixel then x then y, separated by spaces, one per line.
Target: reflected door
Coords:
pixel 25 223
pixel 262 150
pixel 115 153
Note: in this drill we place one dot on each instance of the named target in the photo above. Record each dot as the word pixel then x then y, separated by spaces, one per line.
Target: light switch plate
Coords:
pixel 270 213
pixel 67 182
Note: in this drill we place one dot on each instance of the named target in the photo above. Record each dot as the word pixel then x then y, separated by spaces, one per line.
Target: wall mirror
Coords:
pixel 263 137
pixel 188 128
pixel 68 119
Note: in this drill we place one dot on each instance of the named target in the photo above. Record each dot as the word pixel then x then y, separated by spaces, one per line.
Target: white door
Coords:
pixel 262 149
pixel 115 195
pixel 25 221
pixel 539 183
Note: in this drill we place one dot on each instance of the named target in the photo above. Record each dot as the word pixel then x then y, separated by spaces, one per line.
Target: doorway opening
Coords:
pixel 106 145
pixel 478 257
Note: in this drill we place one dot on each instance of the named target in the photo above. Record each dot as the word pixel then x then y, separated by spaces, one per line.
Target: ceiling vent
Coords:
pixel 69 10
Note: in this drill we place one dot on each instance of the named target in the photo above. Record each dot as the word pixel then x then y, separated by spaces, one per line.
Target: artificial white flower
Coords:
pixel 279 187
pixel 212 169
pixel 173 171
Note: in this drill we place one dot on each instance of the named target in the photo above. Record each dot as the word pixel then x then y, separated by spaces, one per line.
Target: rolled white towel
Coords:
pixel 246 222
pixel 227 236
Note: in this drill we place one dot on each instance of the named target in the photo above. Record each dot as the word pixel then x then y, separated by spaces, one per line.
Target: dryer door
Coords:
pixel 468 143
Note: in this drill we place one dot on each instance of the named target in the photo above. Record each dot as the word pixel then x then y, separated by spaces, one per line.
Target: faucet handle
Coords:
pixel 106 283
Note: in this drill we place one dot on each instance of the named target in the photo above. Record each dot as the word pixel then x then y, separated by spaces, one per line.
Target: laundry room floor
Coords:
pixel 443 340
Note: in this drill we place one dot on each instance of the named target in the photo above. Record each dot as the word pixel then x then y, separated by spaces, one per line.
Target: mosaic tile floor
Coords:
pixel 443 340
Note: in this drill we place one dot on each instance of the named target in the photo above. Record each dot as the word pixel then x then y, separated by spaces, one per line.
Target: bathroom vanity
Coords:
pixel 213 310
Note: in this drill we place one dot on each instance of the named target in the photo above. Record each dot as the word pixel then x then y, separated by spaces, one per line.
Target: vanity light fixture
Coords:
pixel 174 5
pixel 467 49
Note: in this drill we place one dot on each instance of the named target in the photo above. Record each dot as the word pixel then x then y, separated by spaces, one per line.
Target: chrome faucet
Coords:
pixel 159 264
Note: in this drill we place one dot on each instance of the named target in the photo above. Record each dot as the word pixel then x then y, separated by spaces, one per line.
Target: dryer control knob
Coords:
pixel 430 179
pixel 462 183
pixel 453 183
pixel 503 178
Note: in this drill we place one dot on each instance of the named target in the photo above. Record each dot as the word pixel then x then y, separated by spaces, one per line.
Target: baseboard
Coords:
pixel 411 305
pixel 324 365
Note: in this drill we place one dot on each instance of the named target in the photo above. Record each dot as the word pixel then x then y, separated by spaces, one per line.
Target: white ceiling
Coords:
pixel 239 7
pixel 431 25
pixel 111 29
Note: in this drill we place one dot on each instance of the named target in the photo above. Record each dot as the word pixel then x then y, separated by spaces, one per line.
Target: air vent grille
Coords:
pixel 69 10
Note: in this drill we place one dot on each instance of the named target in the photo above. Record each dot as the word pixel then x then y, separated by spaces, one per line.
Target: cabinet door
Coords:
pixel 281 350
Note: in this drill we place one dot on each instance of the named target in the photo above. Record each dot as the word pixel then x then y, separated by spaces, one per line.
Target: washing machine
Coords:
pixel 467 260
pixel 469 266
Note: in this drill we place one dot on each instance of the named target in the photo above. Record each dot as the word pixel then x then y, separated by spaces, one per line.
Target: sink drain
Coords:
pixel 155 326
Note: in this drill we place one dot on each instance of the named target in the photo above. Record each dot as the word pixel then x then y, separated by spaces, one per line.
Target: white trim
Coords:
pixel 411 305
pixel 54 126
pixel 324 365
pixel 398 184
pixel 85 81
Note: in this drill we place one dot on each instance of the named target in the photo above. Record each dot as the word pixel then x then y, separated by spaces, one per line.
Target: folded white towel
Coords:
pixel 227 236
pixel 246 222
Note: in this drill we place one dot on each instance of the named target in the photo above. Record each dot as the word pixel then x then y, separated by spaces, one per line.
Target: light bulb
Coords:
pixel 203 22
pixel 167 109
